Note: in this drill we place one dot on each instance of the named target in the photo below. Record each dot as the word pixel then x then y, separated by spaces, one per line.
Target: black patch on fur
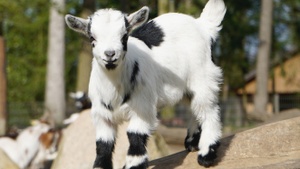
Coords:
pixel 134 73
pixel 107 106
pixel 212 46
pixel 110 66
pixel 189 95
pixel 126 98
pixel 126 22
pixel 124 41
pixel 193 145
pixel 104 152
pixel 208 159
pixel 138 144
pixel 150 34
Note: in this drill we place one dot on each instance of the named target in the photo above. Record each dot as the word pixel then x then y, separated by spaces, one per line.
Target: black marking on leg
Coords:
pixel 107 106
pixel 208 159
pixel 191 142
pixel 104 152
pixel 150 33
pixel 138 144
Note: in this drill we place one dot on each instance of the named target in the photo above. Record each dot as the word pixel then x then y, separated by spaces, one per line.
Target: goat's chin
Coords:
pixel 110 66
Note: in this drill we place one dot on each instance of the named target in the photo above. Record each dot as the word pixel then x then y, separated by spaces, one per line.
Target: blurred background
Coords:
pixel 43 64
pixel 45 67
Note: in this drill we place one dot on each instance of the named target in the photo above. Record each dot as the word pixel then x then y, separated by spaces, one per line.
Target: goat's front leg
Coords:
pixel 105 140
pixel 138 132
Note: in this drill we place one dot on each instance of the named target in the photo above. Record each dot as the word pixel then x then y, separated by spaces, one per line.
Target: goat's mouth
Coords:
pixel 110 64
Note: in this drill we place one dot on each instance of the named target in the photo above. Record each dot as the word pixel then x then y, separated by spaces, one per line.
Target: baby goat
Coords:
pixel 139 67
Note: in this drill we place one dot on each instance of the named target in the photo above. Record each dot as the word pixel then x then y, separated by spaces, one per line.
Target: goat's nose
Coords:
pixel 110 53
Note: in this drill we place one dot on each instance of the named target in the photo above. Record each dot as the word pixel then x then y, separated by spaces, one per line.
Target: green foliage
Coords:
pixel 25 29
pixel 286 26
pixel 25 32
pixel 24 24
pixel 240 22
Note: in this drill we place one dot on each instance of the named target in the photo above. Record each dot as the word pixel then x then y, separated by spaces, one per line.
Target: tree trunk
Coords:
pixel 262 65
pixel 55 103
pixel 188 6
pixel 3 91
pixel 171 5
pixel 163 6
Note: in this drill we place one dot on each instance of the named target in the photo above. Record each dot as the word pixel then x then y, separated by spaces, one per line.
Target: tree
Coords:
pixel 3 102
pixel 262 64
pixel 55 103
pixel 24 31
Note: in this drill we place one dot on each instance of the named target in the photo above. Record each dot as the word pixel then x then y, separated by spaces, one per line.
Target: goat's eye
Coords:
pixel 92 40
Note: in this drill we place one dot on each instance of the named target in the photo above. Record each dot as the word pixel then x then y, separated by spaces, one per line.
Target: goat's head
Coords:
pixel 108 32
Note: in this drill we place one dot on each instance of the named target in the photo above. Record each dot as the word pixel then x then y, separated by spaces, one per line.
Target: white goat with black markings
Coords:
pixel 139 67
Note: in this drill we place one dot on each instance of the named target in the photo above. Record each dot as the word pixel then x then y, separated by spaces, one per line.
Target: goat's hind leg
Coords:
pixel 210 132
pixel 205 131
pixel 193 136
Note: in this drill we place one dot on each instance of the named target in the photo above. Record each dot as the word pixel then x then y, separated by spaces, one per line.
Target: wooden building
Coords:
pixel 283 87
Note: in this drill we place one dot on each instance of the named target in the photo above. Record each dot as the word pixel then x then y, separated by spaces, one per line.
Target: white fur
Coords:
pixel 180 64
pixel 132 161
pixel 22 150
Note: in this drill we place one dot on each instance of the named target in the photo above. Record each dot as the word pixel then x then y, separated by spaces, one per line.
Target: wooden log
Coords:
pixel 274 145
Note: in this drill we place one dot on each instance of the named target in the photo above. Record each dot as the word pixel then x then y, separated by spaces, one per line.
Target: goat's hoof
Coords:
pixel 208 160
pixel 191 142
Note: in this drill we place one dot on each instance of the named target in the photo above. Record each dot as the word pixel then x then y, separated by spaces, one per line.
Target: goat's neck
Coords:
pixel 119 77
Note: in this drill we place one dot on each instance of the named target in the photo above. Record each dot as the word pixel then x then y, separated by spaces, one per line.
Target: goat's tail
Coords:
pixel 212 16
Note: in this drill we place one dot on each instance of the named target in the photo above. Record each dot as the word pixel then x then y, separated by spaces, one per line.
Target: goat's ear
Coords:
pixel 137 18
pixel 77 24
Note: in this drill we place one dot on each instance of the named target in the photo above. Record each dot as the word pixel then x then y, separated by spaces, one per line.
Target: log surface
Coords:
pixel 275 145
